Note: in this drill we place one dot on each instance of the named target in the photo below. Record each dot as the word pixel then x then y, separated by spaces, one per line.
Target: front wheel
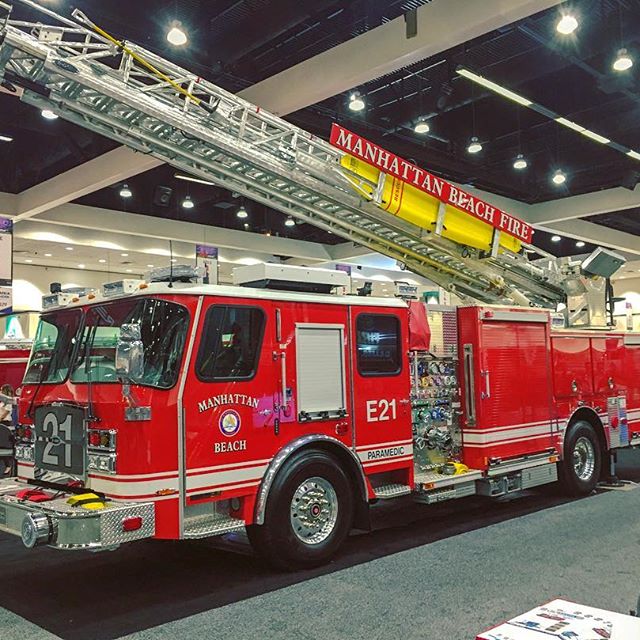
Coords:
pixel 308 515
pixel 580 469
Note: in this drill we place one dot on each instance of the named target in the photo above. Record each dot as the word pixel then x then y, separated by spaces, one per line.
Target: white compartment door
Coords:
pixel 320 371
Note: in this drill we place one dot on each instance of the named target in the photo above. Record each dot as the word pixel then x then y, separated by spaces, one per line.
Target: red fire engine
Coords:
pixel 285 405
pixel 194 410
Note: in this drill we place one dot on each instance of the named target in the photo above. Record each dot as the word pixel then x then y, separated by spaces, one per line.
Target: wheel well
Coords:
pixel 361 505
pixel 342 456
pixel 590 416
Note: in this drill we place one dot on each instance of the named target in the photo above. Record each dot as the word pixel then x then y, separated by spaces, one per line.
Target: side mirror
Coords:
pixel 130 353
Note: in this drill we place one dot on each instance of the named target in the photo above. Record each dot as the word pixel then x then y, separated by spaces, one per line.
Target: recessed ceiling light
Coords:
pixel 520 163
pixel 124 255
pixel 474 145
pixel 47 255
pixel 102 261
pixel 242 213
pixel 289 222
pixel 176 35
pixel 69 248
pixel 49 115
pixel 567 24
pixel 150 266
pixel 579 244
pixel 125 192
pixel 188 203
pixel 6 138
pixel 559 177
pixel 555 238
pixel 81 266
pixel 356 103
pixel 422 126
pixel 128 270
pixel 623 61
pixel 28 260
pixel 173 260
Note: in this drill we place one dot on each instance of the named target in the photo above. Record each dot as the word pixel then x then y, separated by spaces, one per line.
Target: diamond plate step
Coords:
pixel 387 491
pixel 430 480
pixel 208 525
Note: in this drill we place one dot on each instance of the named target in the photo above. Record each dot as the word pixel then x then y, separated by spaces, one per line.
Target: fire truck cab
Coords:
pixel 184 410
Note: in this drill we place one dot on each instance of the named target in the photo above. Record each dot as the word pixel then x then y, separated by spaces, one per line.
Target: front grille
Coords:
pixel 60 438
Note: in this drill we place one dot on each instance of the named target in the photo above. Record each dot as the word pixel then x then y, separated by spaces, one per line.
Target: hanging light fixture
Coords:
pixel 474 145
pixel 49 115
pixel 567 24
pixel 356 103
pixel 289 222
pixel 125 192
pixel 623 61
pixel 188 203
pixel 176 35
pixel 559 177
pixel 555 238
pixel 580 244
pixel 520 162
pixel 422 126
pixel 242 213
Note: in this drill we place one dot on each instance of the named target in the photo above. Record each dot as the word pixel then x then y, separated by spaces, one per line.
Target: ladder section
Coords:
pixel 133 96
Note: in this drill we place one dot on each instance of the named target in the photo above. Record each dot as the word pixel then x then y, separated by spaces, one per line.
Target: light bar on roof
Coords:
pixel 538 108
pixel 507 93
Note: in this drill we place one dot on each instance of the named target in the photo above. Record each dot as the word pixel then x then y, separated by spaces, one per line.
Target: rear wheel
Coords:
pixel 580 469
pixel 309 513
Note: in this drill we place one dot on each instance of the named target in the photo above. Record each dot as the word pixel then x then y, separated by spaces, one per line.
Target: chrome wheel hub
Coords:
pixel 314 510
pixel 584 458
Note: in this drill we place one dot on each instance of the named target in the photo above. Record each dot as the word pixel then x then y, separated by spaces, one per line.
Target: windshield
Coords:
pixel 53 347
pixel 163 331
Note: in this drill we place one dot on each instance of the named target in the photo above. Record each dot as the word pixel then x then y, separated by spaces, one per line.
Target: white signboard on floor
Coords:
pixel 566 621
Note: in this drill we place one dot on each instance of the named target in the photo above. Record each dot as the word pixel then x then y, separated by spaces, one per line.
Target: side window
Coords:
pixel 378 344
pixel 230 344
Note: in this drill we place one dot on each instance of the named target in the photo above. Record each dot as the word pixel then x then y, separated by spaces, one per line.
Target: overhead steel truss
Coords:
pixel 129 94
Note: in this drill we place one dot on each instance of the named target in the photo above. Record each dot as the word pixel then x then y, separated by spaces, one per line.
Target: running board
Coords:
pixel 434 487
pixel 388 491
pixel 206 526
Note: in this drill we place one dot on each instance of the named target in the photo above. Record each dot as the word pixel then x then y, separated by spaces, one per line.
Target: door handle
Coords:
pixel 487 385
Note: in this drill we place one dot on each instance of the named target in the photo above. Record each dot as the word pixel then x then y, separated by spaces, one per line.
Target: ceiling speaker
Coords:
pixel 162 196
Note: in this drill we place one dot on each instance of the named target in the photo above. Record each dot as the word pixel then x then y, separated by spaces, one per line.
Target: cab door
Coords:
pixel 230 407
pixel 381 388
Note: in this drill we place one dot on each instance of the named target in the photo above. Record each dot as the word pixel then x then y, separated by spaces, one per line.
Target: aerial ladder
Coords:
pixel 131 95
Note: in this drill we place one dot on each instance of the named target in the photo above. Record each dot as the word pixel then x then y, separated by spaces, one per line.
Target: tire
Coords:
pixel 580 468
pixel 309 513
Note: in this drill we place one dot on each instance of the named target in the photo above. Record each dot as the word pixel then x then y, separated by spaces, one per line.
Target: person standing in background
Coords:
pixel 6 430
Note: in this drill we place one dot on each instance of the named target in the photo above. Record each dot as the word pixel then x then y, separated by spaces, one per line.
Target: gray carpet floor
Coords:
pixel 586 550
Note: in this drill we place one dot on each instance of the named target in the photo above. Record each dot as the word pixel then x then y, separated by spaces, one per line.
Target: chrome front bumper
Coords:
pixel 62 526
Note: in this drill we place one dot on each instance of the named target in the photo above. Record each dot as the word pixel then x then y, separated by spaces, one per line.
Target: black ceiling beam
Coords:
pixel 263 26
